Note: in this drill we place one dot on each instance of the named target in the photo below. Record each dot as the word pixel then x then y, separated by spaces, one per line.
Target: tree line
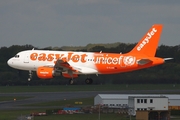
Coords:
pixel 168 73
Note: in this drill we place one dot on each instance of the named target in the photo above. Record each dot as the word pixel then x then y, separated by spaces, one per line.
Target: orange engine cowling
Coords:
pixel 45 72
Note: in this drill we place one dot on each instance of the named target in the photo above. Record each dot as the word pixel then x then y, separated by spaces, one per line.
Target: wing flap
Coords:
pixel 85 70
pixel 63 64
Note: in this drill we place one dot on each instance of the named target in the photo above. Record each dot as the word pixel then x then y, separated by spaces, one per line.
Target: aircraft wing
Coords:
pixel 64 66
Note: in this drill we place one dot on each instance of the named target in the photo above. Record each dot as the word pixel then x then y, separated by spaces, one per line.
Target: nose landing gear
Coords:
pixel 72 81
pixel 30 75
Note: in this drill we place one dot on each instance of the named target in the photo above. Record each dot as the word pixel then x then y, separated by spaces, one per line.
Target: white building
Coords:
pixel 121 100
pixel 146 103
pixel 111 100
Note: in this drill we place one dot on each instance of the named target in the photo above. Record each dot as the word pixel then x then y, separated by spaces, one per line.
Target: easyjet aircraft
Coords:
pixel 49 64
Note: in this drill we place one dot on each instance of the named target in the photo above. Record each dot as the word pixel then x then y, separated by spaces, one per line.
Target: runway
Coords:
pixel 38 97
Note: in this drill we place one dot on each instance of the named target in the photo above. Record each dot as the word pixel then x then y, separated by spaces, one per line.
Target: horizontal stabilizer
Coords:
pixel 143 61
pixel 165 59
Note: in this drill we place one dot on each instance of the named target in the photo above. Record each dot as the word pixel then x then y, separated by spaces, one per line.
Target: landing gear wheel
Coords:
pixel 29 79
pixel 88 81
pixel 30 75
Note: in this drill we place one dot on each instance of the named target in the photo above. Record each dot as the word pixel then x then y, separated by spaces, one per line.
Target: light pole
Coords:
pixel 99 111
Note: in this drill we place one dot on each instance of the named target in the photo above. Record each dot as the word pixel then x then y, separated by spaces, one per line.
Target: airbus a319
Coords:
pixel 49 64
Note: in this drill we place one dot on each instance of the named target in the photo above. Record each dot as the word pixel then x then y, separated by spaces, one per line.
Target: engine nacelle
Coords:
pixel 46 72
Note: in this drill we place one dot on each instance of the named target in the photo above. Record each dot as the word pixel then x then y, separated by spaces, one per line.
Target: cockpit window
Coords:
pixel 16 56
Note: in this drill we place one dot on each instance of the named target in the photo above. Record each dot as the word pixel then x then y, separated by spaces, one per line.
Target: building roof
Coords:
pixel 125 96
pixel 148 97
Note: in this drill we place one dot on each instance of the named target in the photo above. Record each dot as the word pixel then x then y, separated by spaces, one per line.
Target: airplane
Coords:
pixel 71 64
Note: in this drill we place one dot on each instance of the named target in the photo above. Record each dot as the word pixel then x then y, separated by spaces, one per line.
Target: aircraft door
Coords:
pixel 26 58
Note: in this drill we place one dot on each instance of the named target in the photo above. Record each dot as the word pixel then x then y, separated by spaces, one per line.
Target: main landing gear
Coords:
pixel 87 81
pixel 30 75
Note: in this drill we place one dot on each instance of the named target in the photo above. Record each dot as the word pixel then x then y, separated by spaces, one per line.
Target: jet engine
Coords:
pixel 47 72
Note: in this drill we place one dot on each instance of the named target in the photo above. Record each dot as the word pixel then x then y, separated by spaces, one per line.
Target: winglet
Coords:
pixel 149 43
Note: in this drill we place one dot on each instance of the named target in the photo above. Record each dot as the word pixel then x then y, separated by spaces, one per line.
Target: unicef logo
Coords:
pixel 129 60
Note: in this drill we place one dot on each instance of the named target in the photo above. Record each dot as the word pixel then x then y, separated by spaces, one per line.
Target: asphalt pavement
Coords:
pixel 39 97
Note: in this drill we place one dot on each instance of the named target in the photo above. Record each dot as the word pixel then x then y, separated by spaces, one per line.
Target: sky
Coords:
pixel 57 23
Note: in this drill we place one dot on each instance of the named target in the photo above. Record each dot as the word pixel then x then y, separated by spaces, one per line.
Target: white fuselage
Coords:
pixel 26 60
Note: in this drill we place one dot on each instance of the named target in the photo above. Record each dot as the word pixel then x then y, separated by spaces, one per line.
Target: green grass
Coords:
pixel 71 102
pixel 10 98
pixel 107 87
pixel 84 117
pixel 13 114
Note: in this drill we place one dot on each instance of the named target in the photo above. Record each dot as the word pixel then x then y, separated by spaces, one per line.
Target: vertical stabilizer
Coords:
pixel 149 43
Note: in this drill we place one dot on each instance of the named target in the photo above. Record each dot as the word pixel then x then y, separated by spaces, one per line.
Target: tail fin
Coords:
pixel 149 43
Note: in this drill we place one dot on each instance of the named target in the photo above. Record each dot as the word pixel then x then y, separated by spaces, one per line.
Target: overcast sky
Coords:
pixel 56 23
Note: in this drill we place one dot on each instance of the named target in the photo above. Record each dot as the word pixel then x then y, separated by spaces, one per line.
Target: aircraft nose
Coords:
pixel 9 62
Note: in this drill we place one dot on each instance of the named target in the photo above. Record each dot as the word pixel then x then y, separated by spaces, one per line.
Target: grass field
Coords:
pixel 107 87
pixel 84 101
pixel 85 117
pixel 9 98
pixel 13 114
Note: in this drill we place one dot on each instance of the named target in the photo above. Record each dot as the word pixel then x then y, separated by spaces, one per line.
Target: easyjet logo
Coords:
pixel 70 56
pixel 53 57
pixel 147 39
pixel 44 72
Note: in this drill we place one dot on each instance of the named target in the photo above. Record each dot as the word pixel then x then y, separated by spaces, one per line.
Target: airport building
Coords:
pixel 121 100
pixel 149 107
pixel 143 106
